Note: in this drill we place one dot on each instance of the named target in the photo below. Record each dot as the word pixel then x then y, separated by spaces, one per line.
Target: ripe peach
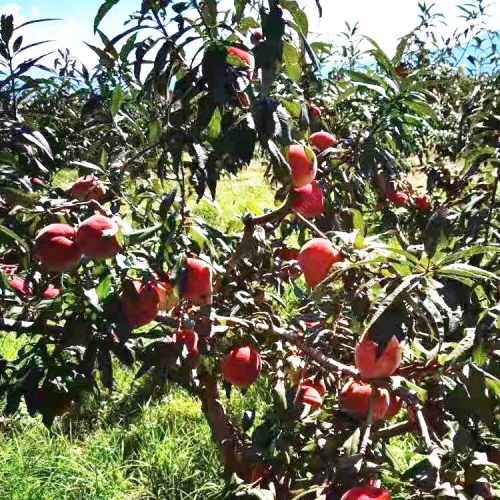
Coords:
pixel 315 110
pixel 93 239
pixel 371 366
pixel 37 181
pixel 367 492
pixel 309 201
pixel 310 395
pixel 395 405
pixel 303 165
pixel 190 339
pixel 316 258
pixel 355 398
pixel 197 282
pixel 87 188
pixel 56 247
pixel 241 366
pixel 140 308
pixel 245 57
pixel 19 284
pixel 51 292
pixel 398 198
pixel 423 202
pixel 323 140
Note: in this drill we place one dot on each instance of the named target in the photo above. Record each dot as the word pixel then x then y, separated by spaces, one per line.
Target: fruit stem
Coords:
pixel 392 430
pixel 311 226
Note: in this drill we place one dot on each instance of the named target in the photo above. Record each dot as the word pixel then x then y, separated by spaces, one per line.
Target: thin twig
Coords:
pixel 318 356
pixel 369 421
pixel 311 226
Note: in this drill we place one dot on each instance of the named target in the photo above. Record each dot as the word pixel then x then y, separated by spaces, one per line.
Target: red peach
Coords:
pixel 19 284
pixel 315 110
pixel 367 492
pixel 190 339
pixel 91 237
pixel 87 188
pixel 398 198
pixel 37 181
pixel 310 395
pixel 316 258
pixel 56 247
pixel 303 165
pixel 323 140
pixel 423 202
pixel 371 366
pixel 241 366
pixel 51 292
pixel 243 56
pixel 141 308
pixel 309 201
pixel 197 283
pixel 355 398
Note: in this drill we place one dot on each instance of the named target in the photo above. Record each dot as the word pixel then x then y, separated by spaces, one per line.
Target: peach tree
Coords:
pixel 364 304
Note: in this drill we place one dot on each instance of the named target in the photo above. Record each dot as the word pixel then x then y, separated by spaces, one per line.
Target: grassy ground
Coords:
pixel 119 449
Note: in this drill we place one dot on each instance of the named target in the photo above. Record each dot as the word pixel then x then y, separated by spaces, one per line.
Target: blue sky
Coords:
pixel 383 20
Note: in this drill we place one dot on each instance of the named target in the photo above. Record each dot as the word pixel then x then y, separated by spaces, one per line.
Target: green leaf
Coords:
pixel 104 288
pixel 298 14
pixel 154 131
pixel 463 346
pixel 116 100
pixel 467 271
pixel 17 43
pixel 214 126
pixel 13 236
pixel 143 234
pixel 239 7
pixel 103 10
pixel 381 57
pixel 400 49
pixel 433 311
pixel 465 255
pixel 291 60
pixel 93 298
pixel 6 28
pixel 407 284
pixel 37 21
pixel 279 395
pixel 437 232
